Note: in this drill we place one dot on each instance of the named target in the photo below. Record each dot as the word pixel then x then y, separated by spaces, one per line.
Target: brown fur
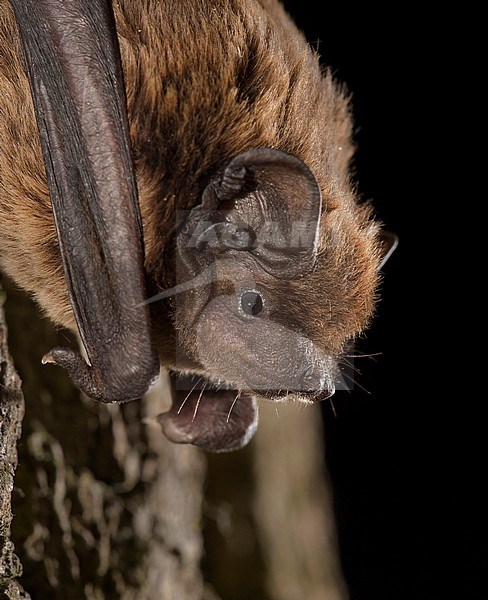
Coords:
pixel 205 81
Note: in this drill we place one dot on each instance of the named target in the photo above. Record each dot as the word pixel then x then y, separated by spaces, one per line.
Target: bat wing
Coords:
pixel 73 64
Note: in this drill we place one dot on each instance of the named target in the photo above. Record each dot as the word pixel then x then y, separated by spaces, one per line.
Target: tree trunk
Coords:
pixel 11 414
pixel 104 506
pixel 269 522
pixel 293 506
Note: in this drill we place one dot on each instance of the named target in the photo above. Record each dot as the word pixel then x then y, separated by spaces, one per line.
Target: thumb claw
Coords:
pixel 48 359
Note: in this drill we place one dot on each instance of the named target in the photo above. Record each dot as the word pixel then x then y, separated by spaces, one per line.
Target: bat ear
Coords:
pixel 269 204
pixel 388 245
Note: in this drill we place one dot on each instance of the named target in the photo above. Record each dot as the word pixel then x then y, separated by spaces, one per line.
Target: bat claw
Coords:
pixel 48 359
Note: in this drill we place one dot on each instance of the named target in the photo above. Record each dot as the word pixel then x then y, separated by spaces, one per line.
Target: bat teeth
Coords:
pixel 48 359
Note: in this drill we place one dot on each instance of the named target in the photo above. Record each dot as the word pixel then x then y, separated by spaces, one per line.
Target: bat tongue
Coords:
pixel 213 420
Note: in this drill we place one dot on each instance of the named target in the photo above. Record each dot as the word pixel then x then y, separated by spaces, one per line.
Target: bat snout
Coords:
pixel 316 383
pixel 267 358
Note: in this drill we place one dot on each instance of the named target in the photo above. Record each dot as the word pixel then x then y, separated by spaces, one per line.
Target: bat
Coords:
pixel 175 188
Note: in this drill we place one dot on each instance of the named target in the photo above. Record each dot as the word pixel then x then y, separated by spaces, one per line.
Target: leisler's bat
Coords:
pixel 175 188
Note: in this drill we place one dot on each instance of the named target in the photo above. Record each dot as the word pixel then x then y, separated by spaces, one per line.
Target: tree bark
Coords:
pixel 105 507
pixel 11 414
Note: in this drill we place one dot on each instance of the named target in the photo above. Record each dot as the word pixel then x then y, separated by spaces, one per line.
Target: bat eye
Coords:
pixel 251 303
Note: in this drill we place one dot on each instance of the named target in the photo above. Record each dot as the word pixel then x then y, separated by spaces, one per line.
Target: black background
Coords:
pixel 400 456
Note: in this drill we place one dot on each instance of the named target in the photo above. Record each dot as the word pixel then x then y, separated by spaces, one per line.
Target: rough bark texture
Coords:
pixel 11 414
pixel 105 507
pixel 293 506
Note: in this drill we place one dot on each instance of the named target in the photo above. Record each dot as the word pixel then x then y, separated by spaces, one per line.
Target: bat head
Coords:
pixel 279 282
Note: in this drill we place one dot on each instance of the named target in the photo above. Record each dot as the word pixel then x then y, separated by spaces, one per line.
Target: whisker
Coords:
pixel 355 382
pixel 188 395
pixel 198 402
pixel 351 379
pixel 332 405
pixel 372 355
pixel 351 366
pixel 232 406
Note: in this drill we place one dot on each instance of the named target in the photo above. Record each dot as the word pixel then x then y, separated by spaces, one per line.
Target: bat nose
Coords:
pixel 318 383
pixel 324 393
pixel 313 379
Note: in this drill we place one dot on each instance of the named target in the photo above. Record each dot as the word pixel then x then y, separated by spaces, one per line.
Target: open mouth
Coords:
pixel 218 421
pixel 218 417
